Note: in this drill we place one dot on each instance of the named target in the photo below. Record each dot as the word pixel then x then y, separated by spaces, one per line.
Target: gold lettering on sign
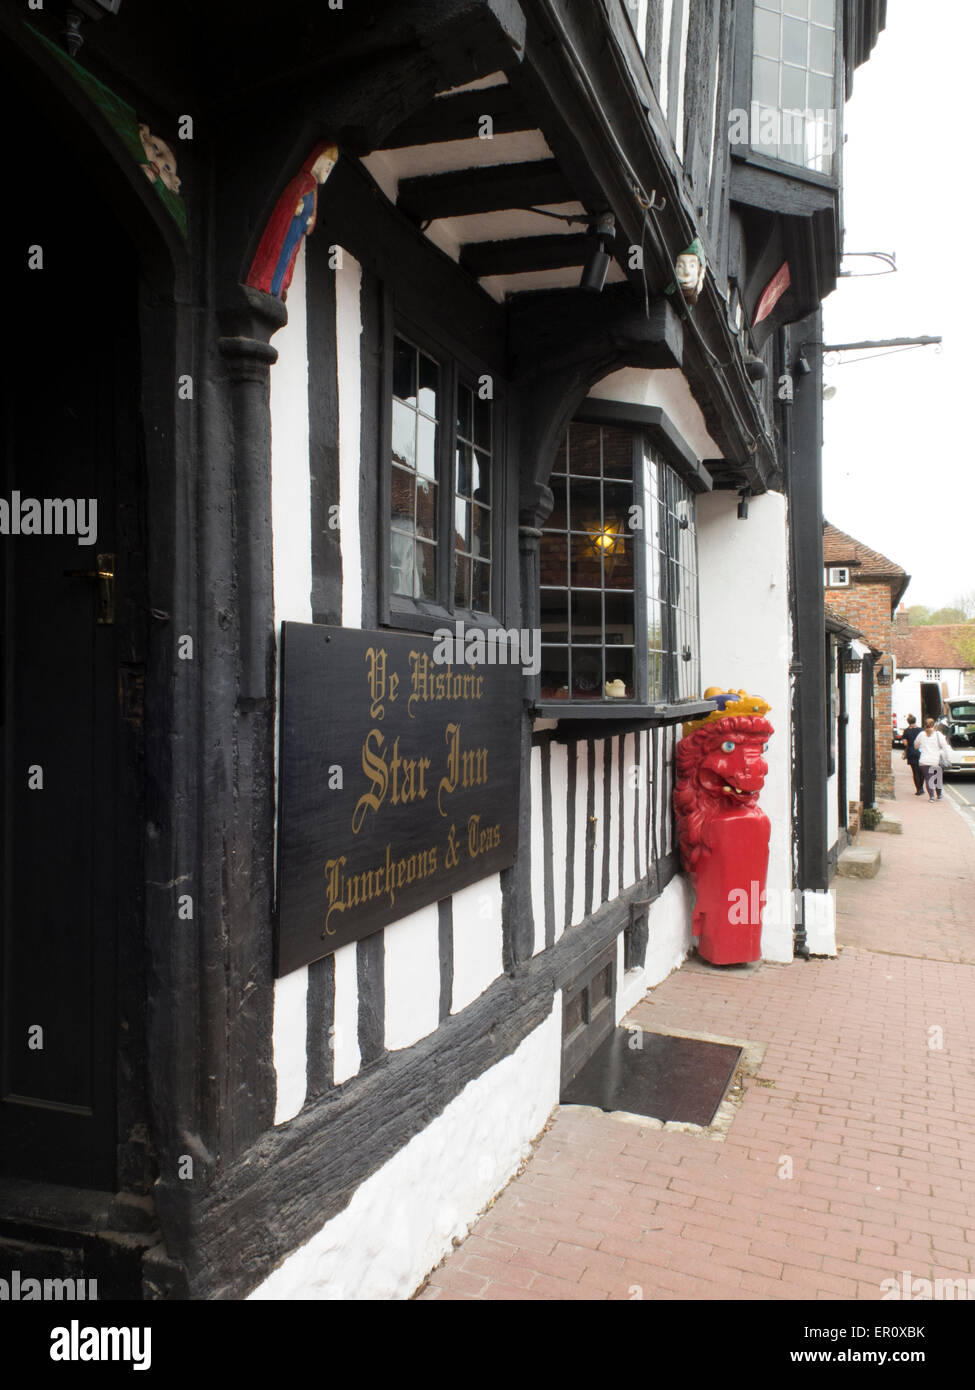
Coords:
pixel 405 777
pixel 430 683
pixel 344 891
pixel 482 841
pixel 464 769
pixel 379 689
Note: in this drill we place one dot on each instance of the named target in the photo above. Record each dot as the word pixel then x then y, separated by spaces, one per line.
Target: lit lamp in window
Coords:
pixel 607 540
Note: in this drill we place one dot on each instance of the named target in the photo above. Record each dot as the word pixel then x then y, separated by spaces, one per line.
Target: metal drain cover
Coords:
pixel 654 1074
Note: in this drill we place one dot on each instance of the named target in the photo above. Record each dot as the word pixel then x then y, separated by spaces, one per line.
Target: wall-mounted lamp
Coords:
pixel 607 540
pixel 599 260
pixel 803 367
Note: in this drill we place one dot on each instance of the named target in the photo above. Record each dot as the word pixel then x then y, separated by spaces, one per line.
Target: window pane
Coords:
pixel 587 619
pixel 482 531
pixel 404 435
pixel 482 423
pixel 426 577
pixel 401 564
pixel 464 413
pixel 821 47
pixel 767 29
pixel 553 560
pixel 765 82
pixel 426 447
pixel 462 524
pixel 426 509
pixel 429 385
pixel 404 371
pixel 586 566
pixel 620 629
pixel 824 12
pixel 795 36
pixel 462 582
pixel 617 452
pixel 554 675
pixel 584 450
pixel 401 500
pixel 463 480
pixel 793 90
pixel 796 7
pixel 587 673
pixel 481 477
pixel 481 586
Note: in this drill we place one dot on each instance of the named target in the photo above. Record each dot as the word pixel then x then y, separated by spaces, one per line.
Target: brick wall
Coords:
pixel 865 605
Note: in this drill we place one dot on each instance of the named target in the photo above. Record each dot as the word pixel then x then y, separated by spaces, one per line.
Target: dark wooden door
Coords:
pixel 70 436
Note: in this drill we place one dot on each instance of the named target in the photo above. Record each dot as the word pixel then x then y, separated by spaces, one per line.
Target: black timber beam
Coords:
pixel 521 254
pixel 493 189
pixel 460 118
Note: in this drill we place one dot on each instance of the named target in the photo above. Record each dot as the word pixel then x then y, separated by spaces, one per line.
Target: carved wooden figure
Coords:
pixel 724 833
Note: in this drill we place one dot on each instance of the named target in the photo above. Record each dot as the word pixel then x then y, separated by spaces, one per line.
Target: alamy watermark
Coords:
pixel 768 127
pixel 747 906
pixel 912 1290
pixel 50 516
pixel 17 1289
pixel 493 646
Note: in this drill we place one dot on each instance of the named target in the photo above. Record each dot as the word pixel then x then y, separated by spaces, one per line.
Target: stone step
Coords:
pixel 890 825
pixel 858 863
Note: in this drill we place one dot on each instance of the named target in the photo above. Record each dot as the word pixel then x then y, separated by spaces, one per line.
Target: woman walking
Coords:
pixel 932 746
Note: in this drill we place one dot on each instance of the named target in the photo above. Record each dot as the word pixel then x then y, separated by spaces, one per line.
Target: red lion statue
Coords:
pixel 724 833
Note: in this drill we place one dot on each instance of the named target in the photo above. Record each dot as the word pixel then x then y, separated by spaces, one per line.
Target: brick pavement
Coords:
pixel 876 1124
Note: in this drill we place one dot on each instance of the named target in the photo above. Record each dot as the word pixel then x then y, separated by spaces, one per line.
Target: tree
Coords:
pixel 918 615
pixel 947 615
pixel 966 602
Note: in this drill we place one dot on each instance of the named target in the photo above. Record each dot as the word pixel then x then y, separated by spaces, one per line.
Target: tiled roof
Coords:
pixel 941 646
pixel 841 549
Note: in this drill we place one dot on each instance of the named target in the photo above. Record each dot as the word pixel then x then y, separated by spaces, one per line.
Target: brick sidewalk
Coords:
pixel 877 1124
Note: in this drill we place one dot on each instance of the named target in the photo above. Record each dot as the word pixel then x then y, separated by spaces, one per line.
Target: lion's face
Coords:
pixel 735 769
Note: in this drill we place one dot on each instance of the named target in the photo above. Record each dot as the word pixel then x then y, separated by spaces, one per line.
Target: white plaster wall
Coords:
pixel 613 828
pixel 291 543
pixel 667 388
pixel 581 826
pixel 854 709
pixel 560 846
pixel 819 920
pixel 537 851
pixel 832 810
pixel 412 975
pixel 628 809
pixel 478 958
pixel 668 946
pixel 404 1218
pixel 746 644
pixel 348 336
pixel 599 838
pixel 289 1043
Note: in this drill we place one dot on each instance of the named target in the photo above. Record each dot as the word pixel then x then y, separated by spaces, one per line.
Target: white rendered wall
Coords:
pixel 478 953
pixel 669 943
pixel 291 541
pixel 412 977
pixel 667 388
pixel 746 644
pixel 537 851
pixel 348 342
pixel 854 730
pixel 404 1218
pixel 832 810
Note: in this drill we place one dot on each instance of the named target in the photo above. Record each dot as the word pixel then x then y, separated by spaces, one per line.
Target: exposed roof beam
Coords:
pixel 459 118
pixel 520 254
pixel 491 189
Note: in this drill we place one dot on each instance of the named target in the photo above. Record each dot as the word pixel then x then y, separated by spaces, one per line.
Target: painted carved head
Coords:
pixel 689 271
pixel 160 160
pixel 725 758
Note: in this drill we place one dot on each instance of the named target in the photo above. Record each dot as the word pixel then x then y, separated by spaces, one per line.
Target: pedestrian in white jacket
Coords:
pixel 932 745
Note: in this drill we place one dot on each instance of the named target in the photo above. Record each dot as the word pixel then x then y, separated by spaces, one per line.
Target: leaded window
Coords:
pixel 618 573
pixel 441 482
pixel 793 112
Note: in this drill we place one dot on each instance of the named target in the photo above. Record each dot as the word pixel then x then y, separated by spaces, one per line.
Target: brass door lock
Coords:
pixel 105 577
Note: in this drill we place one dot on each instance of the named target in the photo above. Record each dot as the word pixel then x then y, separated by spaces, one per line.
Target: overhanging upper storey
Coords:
pixel 794 64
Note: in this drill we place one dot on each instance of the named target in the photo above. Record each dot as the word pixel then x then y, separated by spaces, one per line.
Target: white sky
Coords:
pixel 898 449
